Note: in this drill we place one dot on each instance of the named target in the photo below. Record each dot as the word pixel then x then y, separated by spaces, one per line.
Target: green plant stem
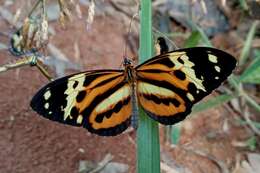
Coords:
pixel 214 102
pixel 251 101
pixel 148 146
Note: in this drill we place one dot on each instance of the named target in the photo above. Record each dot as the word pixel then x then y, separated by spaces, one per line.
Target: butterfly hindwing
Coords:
pixel 97 100
pixel 169 84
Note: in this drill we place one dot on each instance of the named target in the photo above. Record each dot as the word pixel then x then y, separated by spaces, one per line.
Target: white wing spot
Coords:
pixel 46 105
pixel 217 68
pixel 213 58
pixel 216 77
pixel 47 95
pixel 79 119
pixel 50 112
pixel 190 96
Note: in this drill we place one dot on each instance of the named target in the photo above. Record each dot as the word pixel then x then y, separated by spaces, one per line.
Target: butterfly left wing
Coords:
pixel 97 100
pixel 169 84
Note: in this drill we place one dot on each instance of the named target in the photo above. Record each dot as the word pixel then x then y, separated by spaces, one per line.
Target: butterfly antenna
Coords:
pixel 166 37
pixel 128 33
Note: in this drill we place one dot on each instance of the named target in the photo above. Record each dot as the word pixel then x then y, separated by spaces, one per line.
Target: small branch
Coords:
pixel 43 70
pixel 29 60
pixel 19 63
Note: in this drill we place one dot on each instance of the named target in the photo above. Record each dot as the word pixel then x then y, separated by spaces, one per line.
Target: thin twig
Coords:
pixel 220 164
pixel 28 60
pixel 103 163
pixel 166 37
pixel 43 70
pixel 249 122
pixel 34 7
pixel 19 63
pixel 117 7
pixel 44 8
pixel 241 92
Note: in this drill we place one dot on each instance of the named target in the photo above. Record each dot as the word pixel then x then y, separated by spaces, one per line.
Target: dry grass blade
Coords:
pixel 91 14
pixel 247 46
pixel 220 164
pixel 7 15
pixel 103 163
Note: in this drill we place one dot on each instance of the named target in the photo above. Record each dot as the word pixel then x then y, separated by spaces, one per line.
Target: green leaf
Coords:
pixel 203 35
pixel 243 4
pixel 252 73
pixel 193 39
pixel 251 143
pixel 247 46
pixel 148 146
pixel 214 102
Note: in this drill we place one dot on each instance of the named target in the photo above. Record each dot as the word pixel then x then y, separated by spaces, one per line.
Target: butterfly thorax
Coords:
pixel 129 70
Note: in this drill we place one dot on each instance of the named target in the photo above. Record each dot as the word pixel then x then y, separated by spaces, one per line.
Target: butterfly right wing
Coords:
pixel 169 85
pixel 97 100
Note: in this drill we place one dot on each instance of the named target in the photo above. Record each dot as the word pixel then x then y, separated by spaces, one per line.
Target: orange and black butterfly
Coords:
pixel 106 102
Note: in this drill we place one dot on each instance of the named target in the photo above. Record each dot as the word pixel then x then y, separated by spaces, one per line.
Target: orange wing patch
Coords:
pixel 113 110
pixel 159 101
pixel 162 104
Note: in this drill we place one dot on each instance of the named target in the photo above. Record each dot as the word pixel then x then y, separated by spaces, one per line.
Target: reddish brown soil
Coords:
pixel 30 143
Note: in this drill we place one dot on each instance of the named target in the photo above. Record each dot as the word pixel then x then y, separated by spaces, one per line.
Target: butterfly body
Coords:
pixel 130 74
pixel 106 102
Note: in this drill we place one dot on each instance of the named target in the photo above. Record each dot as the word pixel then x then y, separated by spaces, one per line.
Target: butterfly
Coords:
pixel 106 102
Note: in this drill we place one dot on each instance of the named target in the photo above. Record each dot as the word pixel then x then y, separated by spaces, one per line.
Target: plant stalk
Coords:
pixel 148 146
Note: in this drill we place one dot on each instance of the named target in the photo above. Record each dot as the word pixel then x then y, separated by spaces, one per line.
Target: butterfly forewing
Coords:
pixel 97 100
pixel 169 84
